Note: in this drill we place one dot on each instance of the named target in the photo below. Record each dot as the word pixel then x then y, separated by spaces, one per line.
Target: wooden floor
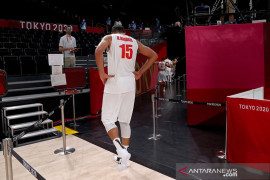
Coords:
pixel 88 162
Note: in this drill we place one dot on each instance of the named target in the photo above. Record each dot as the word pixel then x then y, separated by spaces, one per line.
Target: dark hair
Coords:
pixel 68 26
pixel 118 28
pixel 162 58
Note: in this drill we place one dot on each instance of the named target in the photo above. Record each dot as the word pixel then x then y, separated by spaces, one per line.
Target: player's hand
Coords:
pixel 137 75
pixel 71 50
pixel 104 77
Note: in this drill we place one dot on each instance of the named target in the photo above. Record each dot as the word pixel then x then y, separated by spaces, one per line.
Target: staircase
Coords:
pixel 16 119
pixel 86 61
pixel 28 85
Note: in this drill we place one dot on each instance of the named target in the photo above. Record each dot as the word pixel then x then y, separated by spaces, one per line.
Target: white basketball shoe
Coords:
pixel 122 159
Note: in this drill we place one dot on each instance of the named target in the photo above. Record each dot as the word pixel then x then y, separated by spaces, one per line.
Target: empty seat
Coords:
pixel 79 52
pixel 33 31
pixel 22 45
pixel 29 36
pixel 30 51
pixel 12 65
pixel 14 39
pixel 40 36
pixel 4 39
pixel 28 65
pixel 36 40
pixel 55 51
pixel 9 45
pixel 17 51
pixel 1 45
pixel 4 52
pixel 3 31
pixel 42 65
pixel 2 66
pixel 26 39
pixel 26 31
pixel 45 45
pixel 12 31
pixel 19 35
pixel 8 35
pixel 47 39
pixel 40 32
pixel 33 45
pixel 43 52
pixel 55 45
pixel 85 51
pixel 56 40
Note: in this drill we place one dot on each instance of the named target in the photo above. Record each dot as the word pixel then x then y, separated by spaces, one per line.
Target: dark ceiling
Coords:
pixel 126 10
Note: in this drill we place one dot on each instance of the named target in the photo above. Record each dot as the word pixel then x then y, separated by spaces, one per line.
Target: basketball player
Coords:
pixel 168 70
pixel 120 86
pixel 162 74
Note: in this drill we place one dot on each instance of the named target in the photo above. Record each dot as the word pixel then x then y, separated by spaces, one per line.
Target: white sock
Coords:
pixel 117 144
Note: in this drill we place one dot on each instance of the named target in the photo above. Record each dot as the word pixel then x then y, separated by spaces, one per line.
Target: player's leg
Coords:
pixel 72 62
pixel 124 118
pixel 170 76
pixel 164 81
pixel 125 115
pixel 110 109
pixel 160 81
pixel 67 62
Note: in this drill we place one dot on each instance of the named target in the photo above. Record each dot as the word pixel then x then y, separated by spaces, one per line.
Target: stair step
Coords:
pixel 30 89
pixel 18 116
pixel 40 132
pixel 29 82
pixel 28 124
pixel 22 106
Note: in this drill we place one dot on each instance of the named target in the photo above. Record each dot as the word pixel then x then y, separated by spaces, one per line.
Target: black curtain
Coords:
pixel 176 47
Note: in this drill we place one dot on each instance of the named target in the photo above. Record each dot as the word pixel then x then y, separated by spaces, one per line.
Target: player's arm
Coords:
pixel 175 60
pixel 150 54
pixel 64 49
pixel 104 44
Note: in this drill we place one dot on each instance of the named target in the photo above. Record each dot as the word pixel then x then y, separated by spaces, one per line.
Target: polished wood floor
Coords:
pixel 88 162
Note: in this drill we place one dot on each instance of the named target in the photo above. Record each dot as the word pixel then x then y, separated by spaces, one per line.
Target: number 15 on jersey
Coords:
pixel 127 51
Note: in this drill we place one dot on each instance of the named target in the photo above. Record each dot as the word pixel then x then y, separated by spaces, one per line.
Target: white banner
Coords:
pixel 56 59
pixel 58 80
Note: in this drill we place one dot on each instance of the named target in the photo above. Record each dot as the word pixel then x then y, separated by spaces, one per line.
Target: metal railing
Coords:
pixel 8 151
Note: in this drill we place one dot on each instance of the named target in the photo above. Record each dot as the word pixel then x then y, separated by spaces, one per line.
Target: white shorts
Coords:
pixel 168 72
pixel 117 106
pixel 162 76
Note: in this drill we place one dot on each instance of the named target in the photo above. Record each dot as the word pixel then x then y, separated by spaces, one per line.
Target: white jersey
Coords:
pixel 170 63
pixel 121 59
pixel 162 65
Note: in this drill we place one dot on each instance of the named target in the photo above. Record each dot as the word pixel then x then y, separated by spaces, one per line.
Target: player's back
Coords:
pixel 169 62
pixel 122 55
pixel 121 63
pixel 161 65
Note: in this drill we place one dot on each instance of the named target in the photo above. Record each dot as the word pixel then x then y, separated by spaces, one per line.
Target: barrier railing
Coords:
pixel 64 150
pixel 178 81
pixel 156 98
pixel 154 136
pixel 8 151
